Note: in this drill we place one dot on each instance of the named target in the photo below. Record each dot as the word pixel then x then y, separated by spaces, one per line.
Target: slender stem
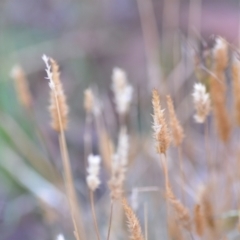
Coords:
pixel 146 221
pixel 181 172
pixel 94 214
pixel 208 157
pixel 195 14
pixel 70 190
pixel 151 40
pixel 165 169
pixel 110 221
pixel 87 138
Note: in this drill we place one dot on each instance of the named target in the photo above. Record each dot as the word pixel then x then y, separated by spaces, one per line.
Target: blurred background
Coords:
pixel 152 40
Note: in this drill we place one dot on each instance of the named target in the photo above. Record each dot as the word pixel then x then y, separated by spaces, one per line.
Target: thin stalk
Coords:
pixel 94 214
pixel 110 221
pixel 239 27
pixel 208 158
pixel 87 138
pixel 165 169
pixel 71 195
pixel 181 172
pixel 151 41
pixel 195 13
pixel 146 221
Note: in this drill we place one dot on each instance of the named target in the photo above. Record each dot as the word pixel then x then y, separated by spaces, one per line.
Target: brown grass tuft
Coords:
pixel 133 223
pixel 161 133
pixel 57 96
pixel 176 129
pixel 21 86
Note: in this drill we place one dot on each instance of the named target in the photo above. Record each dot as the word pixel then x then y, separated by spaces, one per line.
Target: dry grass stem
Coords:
pixel 133 223
pixel 106 147
pixel 165 169
pixel 59 109
pixel 110 220
pixel 94 214
pixel 151 40
pixel 146 221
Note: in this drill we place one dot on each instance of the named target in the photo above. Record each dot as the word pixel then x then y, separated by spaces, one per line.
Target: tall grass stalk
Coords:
pixel 72 198
pixel 110 220
pixel 151 41
pixel 146 221
pixel 181 172
pixel 94 214
pixel 58 119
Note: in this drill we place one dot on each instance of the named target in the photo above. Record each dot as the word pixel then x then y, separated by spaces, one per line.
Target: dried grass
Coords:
pixel 133 223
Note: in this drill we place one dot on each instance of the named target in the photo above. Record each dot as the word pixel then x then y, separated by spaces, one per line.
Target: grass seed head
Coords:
pixel 21 86
pixel 176 129
pixel 160 129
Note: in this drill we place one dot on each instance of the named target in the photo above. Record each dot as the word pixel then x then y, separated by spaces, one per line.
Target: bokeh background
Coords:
pixel 152 40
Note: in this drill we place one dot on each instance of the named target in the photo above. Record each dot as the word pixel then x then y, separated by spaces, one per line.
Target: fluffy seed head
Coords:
pixel 93 171
pixel 58 106
pixel 122 91
pixel 201 100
